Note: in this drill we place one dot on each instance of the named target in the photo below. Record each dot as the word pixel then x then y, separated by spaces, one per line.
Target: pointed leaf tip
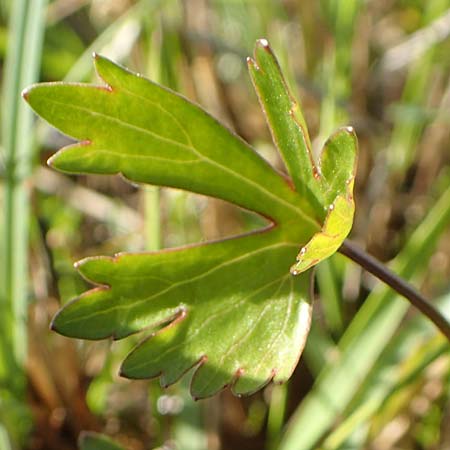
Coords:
pixel 50 161
pixel 263 43
pixel 26 93
pixel 51 325
pixel 252 64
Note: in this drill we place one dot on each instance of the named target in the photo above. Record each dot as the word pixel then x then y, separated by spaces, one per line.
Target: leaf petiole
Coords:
pixel 405 289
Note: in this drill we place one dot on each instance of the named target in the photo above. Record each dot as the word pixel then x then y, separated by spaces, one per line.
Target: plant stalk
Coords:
pixel 379 270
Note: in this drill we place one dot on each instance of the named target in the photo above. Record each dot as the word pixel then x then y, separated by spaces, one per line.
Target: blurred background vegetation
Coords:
pixel 374 374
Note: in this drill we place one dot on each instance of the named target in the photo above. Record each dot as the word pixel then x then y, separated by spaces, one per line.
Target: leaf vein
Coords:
pixel 125 306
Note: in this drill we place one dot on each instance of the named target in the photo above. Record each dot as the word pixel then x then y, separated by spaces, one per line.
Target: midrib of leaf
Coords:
pixel 279 200
pixel 175 285
pixel 144 157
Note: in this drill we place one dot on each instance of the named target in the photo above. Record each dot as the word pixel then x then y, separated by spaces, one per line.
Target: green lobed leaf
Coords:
pixel 232 308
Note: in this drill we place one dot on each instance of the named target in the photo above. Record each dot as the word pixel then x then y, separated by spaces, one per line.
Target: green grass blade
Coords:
pixel 21 69
pixel 331 298
pixel 405 358
pixel 277 412
pixel 4 439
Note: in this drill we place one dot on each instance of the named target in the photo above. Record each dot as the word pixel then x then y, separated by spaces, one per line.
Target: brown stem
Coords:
pixel 376 268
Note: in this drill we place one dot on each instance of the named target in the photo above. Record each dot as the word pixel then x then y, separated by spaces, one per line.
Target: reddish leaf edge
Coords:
pixel 197 365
